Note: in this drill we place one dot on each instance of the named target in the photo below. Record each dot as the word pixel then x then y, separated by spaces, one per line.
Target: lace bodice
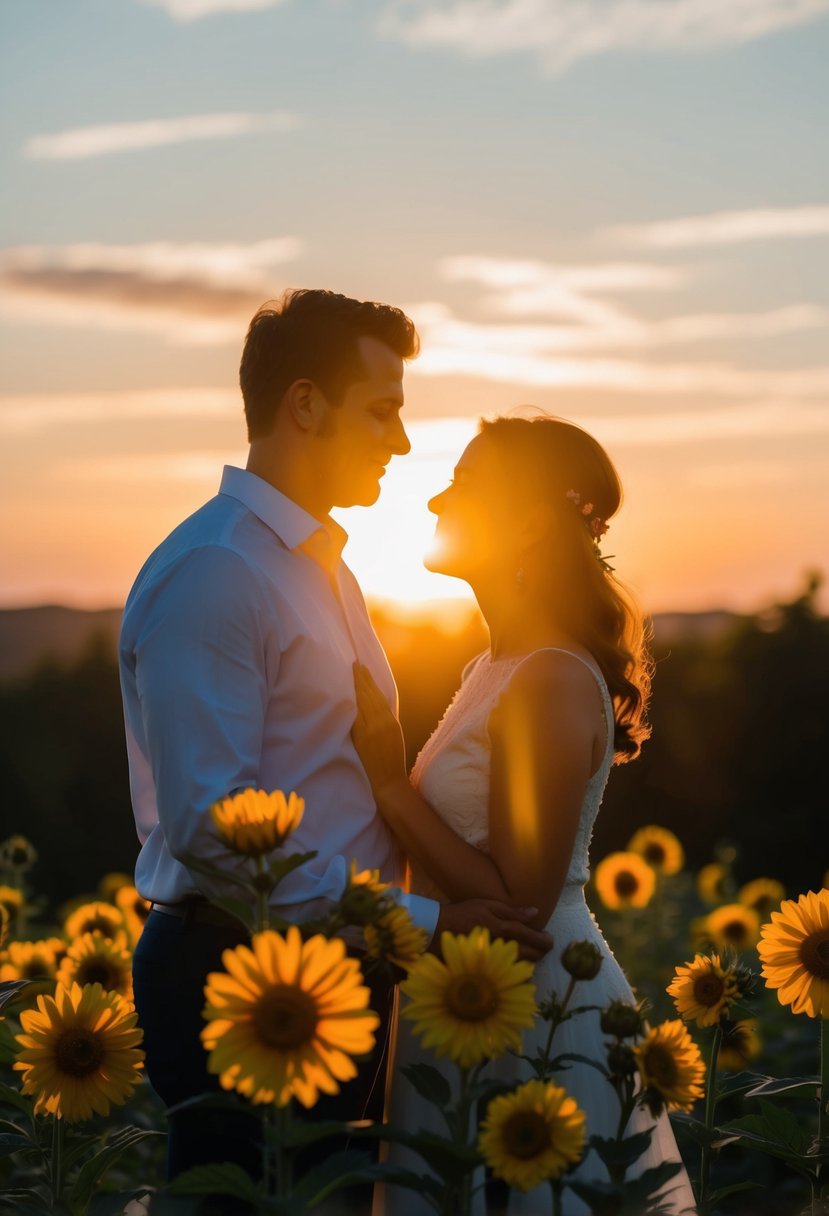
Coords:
pixel 452 770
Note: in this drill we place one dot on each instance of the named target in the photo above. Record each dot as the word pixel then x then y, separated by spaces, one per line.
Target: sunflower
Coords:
pixel 11 899
pixel 28 961
pixel 670 1068
pixel 733 927
pixel 111 884
pixel 4 924
pixel 625 880
pixel 17 853
pixel 794 952
pixel 740 1045
pixel 254 822
pixel 134 909
pixel 704 989
pixel 95 959
pixel 285 1018
pixel 660 849
pixel 362 897
pixel 533 1134
pixel 714 883
pixel 80 1052
pixel 473 1004
pixel 396 938
pixel 763 895
pixel 95 916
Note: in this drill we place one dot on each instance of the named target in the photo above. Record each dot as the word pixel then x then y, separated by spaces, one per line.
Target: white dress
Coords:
pixel 452 775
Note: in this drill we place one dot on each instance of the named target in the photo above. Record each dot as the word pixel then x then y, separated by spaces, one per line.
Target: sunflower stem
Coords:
pixel 262 910
pixel 55 1161
pixel 284 1180
pixel 555 1021
pixel 710 1109
pixel 823 1108
pixel 463 1191
pixel 555 1187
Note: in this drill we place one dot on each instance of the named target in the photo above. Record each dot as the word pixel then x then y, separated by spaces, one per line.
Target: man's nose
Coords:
pixel 398 439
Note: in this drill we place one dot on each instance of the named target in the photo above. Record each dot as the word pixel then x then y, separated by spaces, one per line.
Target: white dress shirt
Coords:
pixel 236 658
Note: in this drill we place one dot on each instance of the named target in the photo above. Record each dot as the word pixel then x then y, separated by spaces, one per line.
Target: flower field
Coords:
pixel 730 1036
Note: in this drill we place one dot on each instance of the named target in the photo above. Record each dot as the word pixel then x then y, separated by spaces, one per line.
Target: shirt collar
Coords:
pixel 291 523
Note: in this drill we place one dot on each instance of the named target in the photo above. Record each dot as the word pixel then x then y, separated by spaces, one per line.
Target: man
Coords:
pixel 237 649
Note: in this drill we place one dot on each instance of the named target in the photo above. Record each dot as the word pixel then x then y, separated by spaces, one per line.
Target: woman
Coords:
pixel 503 797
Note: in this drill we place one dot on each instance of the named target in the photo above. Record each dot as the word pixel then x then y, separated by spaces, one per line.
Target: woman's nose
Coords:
pixel 434 504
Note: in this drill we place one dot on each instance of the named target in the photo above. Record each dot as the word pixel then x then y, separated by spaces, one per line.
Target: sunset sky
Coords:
pixel 616 210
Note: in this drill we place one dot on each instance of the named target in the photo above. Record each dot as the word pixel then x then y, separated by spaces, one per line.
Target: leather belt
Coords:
pixel 199 912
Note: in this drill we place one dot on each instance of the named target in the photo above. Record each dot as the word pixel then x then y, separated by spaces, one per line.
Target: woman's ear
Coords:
pixel 538 524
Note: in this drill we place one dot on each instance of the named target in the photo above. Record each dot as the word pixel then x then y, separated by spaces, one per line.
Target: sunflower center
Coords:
pixel 98 971
pixel 708 989
pixel 78 1052
pixel 100 924
pixel 814 953
pixel 285 1017
pixel 35 969
pixel 655 853
pixel 525 1134
pixel 661 1067
pixel 471 997
pixel 626 884
pixel 735 931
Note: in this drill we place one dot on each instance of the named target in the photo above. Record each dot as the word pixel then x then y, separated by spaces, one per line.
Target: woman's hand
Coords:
pixel 378 739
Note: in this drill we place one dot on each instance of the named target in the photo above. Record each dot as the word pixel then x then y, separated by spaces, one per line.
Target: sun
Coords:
pixel 387 544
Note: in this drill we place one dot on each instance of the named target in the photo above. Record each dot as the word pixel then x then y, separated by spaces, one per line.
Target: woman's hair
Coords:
pixel 550 460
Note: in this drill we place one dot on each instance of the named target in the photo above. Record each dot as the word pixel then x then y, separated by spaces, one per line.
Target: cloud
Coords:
pixel 758 420
pixel 188 292
pixel 562 32
pixel 725 228
pixel 28 413
pixel 542 356
pixel 82 142
pixel 191 10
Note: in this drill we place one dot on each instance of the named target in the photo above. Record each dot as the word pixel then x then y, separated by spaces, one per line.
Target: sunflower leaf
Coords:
pixel 349 1169
pixel 13 1097
pixel 11 1143
pixel 93 1170
pixel 192 862
pixel 793 1087
pixel 430 1083
pixel 731 1189
pixel 283 866
pixel 574 1057
pixel 224 1179
pixel 245 913
pixel 697 1131
pixel 10 990
pixel 617 1153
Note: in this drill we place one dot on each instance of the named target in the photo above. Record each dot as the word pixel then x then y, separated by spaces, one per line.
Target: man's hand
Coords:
pixel 502 920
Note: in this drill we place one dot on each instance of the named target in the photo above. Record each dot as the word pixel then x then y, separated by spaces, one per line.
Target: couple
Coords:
pixel 239 647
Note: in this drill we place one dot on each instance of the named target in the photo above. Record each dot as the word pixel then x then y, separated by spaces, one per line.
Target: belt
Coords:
pixel 200 912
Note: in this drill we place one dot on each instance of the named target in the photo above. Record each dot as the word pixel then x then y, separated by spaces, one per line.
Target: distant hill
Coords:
pixel 31 636
pixel 52 633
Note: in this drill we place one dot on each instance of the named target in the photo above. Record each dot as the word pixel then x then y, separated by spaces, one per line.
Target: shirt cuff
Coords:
pixel 423 911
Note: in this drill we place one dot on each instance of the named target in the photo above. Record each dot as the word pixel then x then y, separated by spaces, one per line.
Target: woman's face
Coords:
pixel 473 534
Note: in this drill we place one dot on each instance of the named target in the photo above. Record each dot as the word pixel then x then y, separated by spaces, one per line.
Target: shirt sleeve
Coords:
pixel 202 660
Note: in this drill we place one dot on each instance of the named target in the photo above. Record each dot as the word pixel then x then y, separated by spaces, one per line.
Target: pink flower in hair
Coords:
pixel 598 526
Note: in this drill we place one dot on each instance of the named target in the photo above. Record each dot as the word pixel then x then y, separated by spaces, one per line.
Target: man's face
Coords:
pixel 361 435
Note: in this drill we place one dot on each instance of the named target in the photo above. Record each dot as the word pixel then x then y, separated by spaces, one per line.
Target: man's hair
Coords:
pixel 313 335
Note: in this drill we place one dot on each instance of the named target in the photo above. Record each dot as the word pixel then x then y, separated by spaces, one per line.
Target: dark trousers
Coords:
pixel 172 960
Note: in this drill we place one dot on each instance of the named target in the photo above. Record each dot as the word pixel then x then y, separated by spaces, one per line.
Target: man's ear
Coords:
pixel 306 405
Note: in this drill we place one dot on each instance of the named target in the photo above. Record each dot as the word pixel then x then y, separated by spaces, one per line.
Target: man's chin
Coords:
pixel 366 497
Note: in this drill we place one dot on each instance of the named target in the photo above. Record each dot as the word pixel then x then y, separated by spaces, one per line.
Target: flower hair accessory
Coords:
pixel 595 524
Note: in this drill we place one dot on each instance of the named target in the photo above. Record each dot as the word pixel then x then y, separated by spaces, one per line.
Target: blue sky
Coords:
pixel 615 209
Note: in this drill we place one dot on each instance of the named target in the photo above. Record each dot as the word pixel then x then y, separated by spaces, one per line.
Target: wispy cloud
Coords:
pixel 186 292
pixel 562 32
pixel 725 228
pixel 82 142
pixel 191 10
pixel 27 413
